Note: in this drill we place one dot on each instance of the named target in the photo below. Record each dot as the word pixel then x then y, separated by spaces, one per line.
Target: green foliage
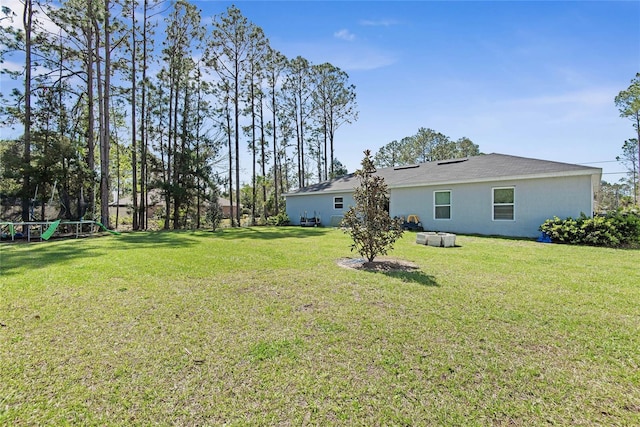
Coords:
pixel 613 230
pixel 368 223
pixel 333 104
pixel 214 213
pixel 338 169
pixel 278 220
pixel 10 167
pixel 628 225
pixel 425 146
pixel 629 158
pixel 611 197
pixel 628 103
pixel 173 123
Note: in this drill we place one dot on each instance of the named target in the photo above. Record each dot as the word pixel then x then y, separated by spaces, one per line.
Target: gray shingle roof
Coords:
pixel 489 167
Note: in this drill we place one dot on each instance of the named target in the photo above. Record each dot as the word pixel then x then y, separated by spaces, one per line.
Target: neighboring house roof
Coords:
pixel 155 197
pixel 488 167
pixel 226 202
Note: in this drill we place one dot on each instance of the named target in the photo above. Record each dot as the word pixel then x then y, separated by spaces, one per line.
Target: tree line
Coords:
pixel 426 145
pixel 110 97
pixel 628 103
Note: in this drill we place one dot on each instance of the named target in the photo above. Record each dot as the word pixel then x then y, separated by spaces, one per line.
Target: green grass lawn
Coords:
pixel 260 326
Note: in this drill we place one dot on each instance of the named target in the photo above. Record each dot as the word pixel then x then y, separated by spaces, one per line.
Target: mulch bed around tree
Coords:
pixel 378 264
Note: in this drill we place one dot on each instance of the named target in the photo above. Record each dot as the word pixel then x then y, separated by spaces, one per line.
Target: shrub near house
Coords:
pixel 620 229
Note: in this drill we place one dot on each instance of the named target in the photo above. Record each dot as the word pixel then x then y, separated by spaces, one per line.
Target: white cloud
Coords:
pixel 378 23
pixel 14 18
pixel 17 8
pixel 365 59
pixel 591 99
pixel 344 34
pixel 349 57
pixel 12 66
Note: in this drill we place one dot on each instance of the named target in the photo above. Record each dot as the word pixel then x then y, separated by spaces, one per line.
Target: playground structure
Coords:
pixel 44 230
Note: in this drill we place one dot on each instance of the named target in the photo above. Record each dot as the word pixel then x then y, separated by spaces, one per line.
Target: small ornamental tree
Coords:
pixel 368 223
pixel 214 212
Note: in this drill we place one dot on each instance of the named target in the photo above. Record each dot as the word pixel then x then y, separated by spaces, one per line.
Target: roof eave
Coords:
pixel 501 178
pixel 312 193
pixel 595 173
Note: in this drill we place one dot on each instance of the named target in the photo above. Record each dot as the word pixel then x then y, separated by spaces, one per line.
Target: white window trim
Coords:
pixel 493 203
pixel 342 203
pixel 435 206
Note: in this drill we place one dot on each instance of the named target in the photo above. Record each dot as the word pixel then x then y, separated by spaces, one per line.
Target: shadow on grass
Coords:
pixel 42 255
pixel 155 239
pixel 395 269
pixel 270 233
pixel 500 237
pixel 39 255
pixel 415 276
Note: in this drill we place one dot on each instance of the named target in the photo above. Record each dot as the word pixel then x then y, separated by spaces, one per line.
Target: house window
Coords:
pixel 338 203
pixel 442 204
pixel 504 204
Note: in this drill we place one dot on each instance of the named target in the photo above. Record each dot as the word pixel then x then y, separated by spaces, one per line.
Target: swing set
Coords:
pixel 46 229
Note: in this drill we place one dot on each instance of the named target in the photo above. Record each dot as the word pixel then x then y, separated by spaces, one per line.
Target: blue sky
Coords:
pixel 534 79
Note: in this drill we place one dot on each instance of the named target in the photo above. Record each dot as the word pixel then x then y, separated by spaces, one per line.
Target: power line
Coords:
pixel 604 161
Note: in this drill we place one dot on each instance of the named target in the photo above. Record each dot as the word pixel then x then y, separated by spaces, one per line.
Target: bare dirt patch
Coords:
pixel 378 264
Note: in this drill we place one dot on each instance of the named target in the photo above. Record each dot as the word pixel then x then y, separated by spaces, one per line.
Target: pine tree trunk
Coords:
pixel 27 20
pixel 134 135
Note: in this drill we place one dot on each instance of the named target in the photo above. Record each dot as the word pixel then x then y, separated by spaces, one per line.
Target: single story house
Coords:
pixel 492 194
pixel 225 204
pixel 156 204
